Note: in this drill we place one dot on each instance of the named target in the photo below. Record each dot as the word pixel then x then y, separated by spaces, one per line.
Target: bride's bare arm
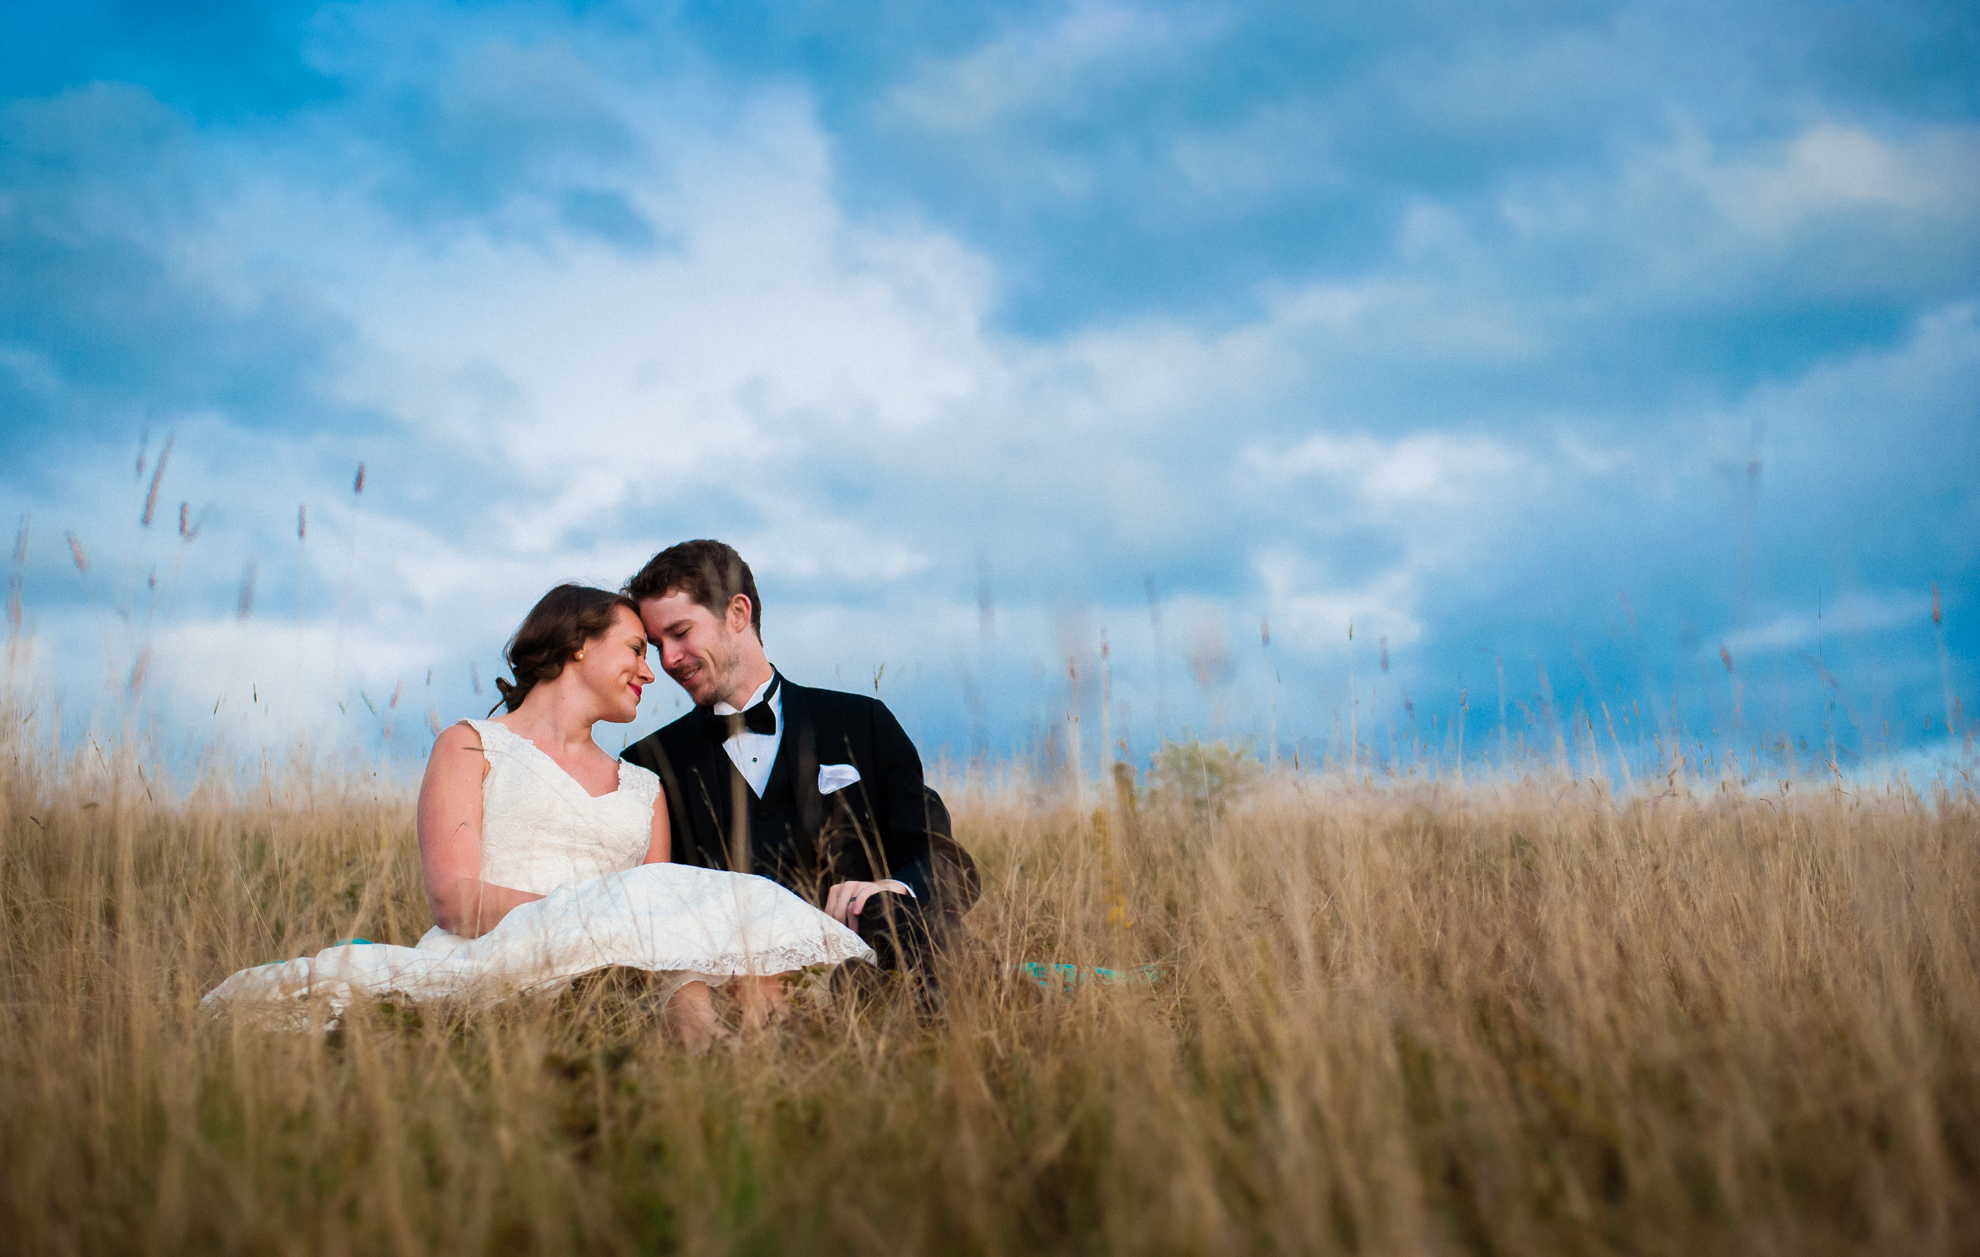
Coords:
pixel 661 849
pixel 450 838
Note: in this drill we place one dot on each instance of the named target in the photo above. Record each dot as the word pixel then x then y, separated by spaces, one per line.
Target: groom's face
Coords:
pixel 699 649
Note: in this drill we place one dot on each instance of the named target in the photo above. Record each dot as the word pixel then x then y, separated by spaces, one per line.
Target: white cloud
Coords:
pixel 1850 616
pixel 280 676
pixel 1447 468
pixel 1832 167
pixel 1689 222
pixel 775 325
pixel 1314 614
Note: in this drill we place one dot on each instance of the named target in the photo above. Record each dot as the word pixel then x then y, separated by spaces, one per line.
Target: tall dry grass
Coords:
pixel 1509 1019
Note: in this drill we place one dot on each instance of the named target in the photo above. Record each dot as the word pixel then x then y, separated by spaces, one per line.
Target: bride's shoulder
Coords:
pixel 477 739
pixel 640 780
pixel 460 753
pixel 470 734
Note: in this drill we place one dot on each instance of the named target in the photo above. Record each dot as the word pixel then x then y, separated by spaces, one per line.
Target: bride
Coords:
pixel 545 858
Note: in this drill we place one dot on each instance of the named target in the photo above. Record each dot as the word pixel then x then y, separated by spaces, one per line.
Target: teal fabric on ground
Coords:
pixel 1065 978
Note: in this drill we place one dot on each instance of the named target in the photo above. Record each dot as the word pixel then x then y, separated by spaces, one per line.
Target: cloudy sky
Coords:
pixel 1597 362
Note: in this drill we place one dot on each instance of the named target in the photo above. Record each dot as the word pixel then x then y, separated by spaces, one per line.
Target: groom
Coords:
pixel 818 790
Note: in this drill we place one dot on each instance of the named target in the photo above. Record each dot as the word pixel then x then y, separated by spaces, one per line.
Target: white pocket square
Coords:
pixel 836 777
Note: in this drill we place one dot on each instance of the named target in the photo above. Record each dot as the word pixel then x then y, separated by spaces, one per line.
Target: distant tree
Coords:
pixel 1207 776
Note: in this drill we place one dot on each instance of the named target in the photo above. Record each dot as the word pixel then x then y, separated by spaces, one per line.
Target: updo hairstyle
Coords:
pixel 552 634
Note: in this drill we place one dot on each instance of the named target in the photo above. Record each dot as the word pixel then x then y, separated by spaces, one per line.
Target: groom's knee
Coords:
pixel 902 934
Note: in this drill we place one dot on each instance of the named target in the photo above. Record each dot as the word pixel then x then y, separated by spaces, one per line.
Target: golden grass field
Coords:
pixel 1520 1017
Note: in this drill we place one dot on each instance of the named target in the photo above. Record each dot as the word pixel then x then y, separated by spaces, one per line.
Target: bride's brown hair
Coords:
pixel 553 632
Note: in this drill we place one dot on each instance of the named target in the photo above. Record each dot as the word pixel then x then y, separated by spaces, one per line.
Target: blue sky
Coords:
pixel 1587 346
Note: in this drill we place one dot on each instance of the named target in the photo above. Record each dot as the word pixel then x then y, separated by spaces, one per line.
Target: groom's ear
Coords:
pixel 739 613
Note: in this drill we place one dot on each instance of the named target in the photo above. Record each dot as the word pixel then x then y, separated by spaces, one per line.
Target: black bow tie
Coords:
pixel 757 719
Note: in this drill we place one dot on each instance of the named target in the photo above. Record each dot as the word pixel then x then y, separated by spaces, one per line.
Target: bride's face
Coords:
pixel 613 668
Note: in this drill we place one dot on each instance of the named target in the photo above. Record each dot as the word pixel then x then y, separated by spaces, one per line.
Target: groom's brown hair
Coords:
pixel 709 572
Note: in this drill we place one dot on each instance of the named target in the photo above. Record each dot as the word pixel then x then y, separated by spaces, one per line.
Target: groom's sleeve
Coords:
pixel 915 830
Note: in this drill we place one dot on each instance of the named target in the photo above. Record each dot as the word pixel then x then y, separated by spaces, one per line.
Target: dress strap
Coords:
pixel 492 729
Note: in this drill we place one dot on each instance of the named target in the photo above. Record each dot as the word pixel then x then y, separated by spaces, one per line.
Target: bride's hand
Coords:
pixel 843 902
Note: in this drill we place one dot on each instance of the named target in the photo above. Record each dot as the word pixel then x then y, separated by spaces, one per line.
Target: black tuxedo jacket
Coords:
pixel 888 824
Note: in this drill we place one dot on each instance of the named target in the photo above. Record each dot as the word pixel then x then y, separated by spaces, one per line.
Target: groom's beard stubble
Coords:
pixel 710 680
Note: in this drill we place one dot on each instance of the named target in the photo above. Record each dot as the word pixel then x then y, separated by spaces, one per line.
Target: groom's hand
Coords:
pixel 843 902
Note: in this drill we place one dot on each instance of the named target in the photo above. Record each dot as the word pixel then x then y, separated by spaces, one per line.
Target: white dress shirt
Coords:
pixel 755 754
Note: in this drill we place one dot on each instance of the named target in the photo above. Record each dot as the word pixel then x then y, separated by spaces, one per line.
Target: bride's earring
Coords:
pixel 580 654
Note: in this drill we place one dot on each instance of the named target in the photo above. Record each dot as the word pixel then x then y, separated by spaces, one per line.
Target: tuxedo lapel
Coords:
pixel 800 742
pixel 710 803
pixel 847 845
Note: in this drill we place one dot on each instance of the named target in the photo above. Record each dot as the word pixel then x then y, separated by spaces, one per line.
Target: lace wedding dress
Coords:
pixel 543 833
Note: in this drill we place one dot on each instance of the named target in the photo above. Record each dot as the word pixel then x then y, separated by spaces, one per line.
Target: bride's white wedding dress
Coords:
pixel 543 832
